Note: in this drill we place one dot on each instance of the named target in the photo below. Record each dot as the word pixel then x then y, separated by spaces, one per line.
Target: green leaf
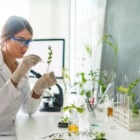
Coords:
pixel 72 106
pixel 107 39
pixel 88 48
pixel 88 93
pixel 79 109
pixel 100 135
pixel 82 92
pixel 135 109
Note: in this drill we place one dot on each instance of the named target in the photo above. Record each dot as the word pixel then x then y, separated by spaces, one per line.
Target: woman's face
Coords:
pixel 18 44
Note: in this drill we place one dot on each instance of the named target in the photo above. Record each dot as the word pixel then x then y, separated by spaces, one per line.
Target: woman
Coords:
pixel 15 91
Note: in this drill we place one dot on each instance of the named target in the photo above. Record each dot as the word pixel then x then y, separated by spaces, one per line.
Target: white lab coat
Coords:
pixel 12 99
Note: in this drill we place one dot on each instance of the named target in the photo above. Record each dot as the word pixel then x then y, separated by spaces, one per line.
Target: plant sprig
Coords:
pixel 111 42
pixel 64 119
pixel 88 48
pixel 73 106
pixel 129 88
pixel 99 135
pixel 107 39
pixel 84 78
pixel 129 91
pixel 50 53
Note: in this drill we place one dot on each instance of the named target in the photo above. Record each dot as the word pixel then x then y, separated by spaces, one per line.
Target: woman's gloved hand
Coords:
pixel 24 66
pixel 47 80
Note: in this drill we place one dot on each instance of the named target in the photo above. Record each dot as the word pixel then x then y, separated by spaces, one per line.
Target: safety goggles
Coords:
pixel 22 42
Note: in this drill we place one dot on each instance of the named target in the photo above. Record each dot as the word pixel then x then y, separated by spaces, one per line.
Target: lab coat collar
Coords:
pixel 4 71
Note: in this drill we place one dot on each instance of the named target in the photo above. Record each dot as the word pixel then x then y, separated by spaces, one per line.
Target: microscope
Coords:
pixel 51 103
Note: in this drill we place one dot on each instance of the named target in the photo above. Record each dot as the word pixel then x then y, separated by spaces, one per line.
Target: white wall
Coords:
pixel 77 21
pixel 12 7
pixel 89 30
pixel 50 19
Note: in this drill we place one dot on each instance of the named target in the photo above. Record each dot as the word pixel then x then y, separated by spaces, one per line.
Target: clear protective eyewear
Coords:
pixel 23 42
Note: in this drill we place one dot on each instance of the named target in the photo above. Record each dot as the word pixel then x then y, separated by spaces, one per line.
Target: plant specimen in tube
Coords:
pixel 50 53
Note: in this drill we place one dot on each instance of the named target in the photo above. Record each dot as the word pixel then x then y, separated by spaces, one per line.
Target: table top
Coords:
pixel 45 123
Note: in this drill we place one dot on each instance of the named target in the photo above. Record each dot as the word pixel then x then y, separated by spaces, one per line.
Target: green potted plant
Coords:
pixel 72 118
pixel 100 136
pixel 64 122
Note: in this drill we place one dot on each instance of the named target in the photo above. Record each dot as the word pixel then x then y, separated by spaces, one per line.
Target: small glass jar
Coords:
pixel 73 122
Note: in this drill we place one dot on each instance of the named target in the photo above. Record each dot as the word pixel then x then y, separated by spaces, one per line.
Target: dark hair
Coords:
pixel 13 25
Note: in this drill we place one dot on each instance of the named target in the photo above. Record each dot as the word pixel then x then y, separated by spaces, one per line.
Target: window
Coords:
pixel 87 18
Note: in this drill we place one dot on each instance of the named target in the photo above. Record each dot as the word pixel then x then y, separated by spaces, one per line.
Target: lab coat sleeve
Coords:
pixel 30 105
pixel 8 94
